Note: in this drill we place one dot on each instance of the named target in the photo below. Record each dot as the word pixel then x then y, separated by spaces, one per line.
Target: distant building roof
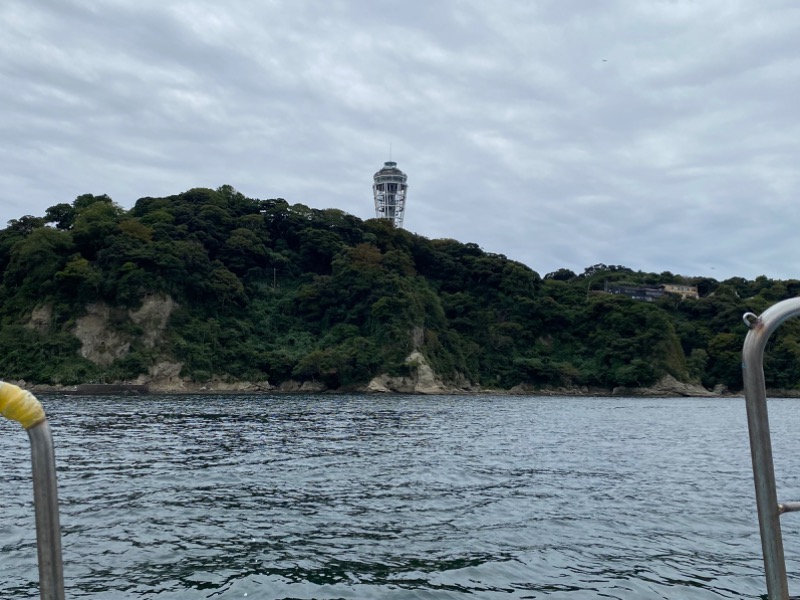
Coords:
pixel 648 293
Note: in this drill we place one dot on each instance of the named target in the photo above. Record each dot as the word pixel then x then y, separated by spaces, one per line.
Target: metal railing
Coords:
pixel 21 406
pixel 769 510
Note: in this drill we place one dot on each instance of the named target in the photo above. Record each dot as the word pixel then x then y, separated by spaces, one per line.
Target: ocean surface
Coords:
pixel 368 497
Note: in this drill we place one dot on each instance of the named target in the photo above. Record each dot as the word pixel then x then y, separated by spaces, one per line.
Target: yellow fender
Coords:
pixel 20 405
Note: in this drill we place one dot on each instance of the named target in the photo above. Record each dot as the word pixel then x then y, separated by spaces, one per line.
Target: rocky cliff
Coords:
pixel 104 339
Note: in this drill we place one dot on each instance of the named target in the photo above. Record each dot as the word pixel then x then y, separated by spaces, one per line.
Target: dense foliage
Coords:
pixel 269 290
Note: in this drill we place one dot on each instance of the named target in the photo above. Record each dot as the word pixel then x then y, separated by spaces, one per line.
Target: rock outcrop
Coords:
pixel 421 381
pixel 101 343
pixel 41 317
pixel 153 316
pixel 163 376
pixel 668 386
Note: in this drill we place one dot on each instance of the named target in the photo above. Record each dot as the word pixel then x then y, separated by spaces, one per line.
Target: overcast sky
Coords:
pixel 660 135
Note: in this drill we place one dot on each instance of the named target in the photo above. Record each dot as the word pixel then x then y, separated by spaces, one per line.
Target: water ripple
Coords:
pixel 301 497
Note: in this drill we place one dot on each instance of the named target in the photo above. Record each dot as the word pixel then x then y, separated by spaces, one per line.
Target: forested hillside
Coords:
pixel 265 290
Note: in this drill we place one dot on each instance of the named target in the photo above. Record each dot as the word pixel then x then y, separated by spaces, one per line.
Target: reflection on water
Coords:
pixel 398 497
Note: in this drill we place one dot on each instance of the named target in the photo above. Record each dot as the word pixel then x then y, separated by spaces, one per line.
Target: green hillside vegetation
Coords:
pixel 271 291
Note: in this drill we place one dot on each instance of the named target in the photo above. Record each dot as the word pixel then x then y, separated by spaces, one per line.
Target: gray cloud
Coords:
pixel 657 135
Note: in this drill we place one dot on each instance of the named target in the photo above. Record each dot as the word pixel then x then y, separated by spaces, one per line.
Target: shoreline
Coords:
pixel 249 388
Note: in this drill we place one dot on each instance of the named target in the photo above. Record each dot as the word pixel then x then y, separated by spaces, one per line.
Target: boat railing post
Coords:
pixel 19 405
pixel 769 511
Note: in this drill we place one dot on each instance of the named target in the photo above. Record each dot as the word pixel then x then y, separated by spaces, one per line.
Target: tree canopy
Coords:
pixel 271 290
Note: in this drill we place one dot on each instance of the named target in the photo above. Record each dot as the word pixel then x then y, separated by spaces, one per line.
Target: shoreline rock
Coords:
pixel 422 380
pixel 669 386
pixel 165 379
pixel 380 385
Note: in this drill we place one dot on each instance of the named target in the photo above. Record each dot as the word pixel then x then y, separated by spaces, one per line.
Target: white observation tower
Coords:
pixel 389 190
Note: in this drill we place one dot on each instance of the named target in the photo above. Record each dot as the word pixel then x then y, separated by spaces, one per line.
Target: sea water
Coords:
pixel 419 497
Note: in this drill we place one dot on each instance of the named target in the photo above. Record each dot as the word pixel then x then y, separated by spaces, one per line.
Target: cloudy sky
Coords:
pixel 663 135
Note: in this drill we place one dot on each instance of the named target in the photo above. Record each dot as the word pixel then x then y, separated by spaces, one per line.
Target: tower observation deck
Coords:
pixel 389 189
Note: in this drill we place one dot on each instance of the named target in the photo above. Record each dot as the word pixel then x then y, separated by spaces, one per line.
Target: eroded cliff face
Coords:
pixel 422 380
pixel 153 317
pixel 99 343
pixel 41 317
pixel 102 344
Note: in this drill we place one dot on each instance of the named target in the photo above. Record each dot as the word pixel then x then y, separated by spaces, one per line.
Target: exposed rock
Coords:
pixel 417 337
pixel 166 370
pixel 522 389
pixel 99 343
pixel 262 386
pixel 312 387
pixel 427 382
pixel 185 386
pixel 236 386
pixel 387 384
pixel 289 386
pixel 526 389
pixel 153 316
pixel 422 380
pixel 163 376
pixel 667 386
pixel 377 385
pixel 41 317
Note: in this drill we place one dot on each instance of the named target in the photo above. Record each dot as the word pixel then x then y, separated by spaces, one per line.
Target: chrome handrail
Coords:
pixel 755 392
pixel 45 502
pixel 21 406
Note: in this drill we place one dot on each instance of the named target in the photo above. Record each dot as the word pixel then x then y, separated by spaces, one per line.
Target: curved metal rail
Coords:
pixel 769 510
pixel 21 406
